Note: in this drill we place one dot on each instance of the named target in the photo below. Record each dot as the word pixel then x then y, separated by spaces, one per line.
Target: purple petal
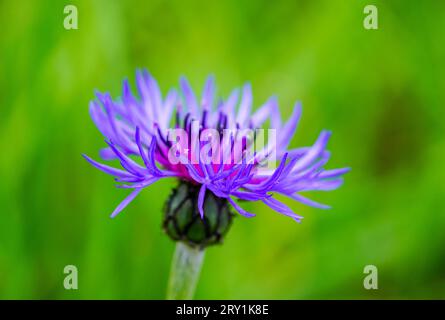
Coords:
pixel 314 151
pixel 126 162
pixel 167 111
pixel 275 120
pixel 154 92
pixel 140 185
pixel 308 202
pixel 191 169
pixel 245 106
pixel 323 185
pixel 224 174
pixel 201 196
pixel 143 90
pixel 287 132
pixel 275 176
pixel 240 210
pixel 116 127
pixel 107 169
pixel 333 173
pixel 264 112
pixel 229 106
pixel 107 154
pixel 250 196
pixel 141 149
pixel 124 203
pixel 298 152
pixel 281 208
pixel 151 158
pixel 189 96
pixel 208 93
pixel 127 97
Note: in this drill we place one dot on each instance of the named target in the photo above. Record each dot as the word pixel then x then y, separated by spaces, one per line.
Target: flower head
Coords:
pixel 212 145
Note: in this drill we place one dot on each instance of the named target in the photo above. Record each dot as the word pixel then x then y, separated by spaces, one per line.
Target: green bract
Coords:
pixel 182 221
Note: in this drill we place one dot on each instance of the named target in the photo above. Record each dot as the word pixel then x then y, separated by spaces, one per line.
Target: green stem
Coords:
pixel 184 274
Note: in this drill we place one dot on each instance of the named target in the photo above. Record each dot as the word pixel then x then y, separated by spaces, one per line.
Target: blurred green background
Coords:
pixel 381 92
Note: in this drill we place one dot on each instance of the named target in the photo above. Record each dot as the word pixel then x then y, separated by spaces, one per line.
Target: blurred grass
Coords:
pixel 380 92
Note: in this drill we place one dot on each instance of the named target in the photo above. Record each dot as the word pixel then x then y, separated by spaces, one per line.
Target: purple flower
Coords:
pixel 140 127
